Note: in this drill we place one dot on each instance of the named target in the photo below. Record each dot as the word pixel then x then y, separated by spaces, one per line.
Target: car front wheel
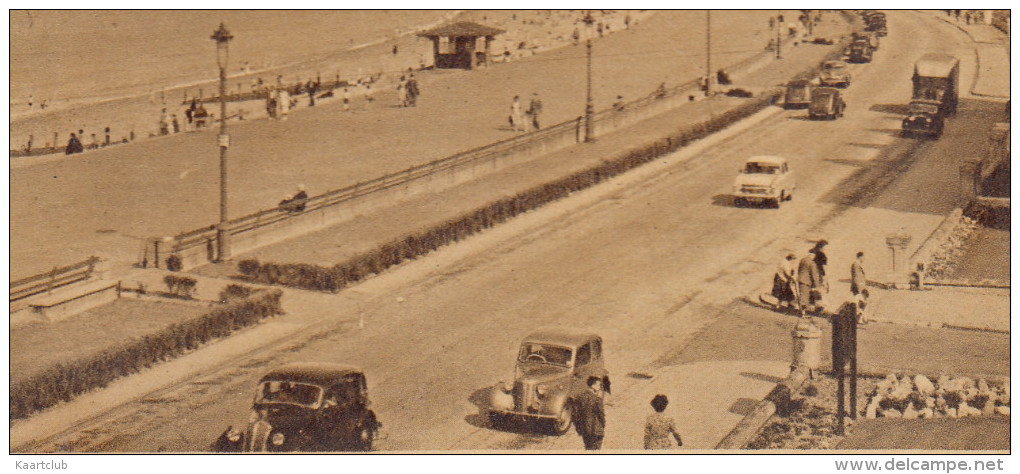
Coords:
pixel 562 422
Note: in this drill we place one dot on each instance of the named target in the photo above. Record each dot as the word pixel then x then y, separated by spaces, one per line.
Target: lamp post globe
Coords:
pixel 222 38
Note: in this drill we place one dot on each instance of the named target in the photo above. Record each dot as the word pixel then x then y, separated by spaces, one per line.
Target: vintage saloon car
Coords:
pixel 826 103
pixel 835 74
pixel 923 118
pixel 764 179
pixel 553 366
pixel 307 407
pixel 798 94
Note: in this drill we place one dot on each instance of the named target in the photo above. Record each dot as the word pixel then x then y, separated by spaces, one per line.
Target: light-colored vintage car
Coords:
pixel 764 179
pixel 835 74
pixel 553 366
pixel 304 407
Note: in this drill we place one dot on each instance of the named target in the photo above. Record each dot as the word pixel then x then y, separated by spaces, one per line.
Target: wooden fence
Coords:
pixel 58 277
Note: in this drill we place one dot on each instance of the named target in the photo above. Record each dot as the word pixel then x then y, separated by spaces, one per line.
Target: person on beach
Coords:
pixel 73 145
pixel 659 427
pixel 175 125
pixel 271 104
pixel 517 115
pixel 369 93
pixel 312 89
pixel 284 103
pixel 412 91
pixel 347 100
pixel 534 110
pixel 164 124
pixel 619 104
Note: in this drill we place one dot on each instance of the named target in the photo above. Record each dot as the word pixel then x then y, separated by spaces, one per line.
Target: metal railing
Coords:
pixel 612 118
pixel 58 277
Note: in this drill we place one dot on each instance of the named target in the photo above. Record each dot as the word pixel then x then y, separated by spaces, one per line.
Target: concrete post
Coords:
pixel 807 345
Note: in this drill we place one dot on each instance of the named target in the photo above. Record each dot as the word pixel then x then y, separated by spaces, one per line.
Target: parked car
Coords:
pixel 798 94
pixel 764 179
pixel 860 51
pixel 923 118
pixel 553 366
pixel 307 407
pixel 826 103
pixel 835 74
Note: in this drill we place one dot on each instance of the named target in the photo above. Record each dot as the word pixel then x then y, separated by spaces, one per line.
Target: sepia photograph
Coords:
pixel 765 237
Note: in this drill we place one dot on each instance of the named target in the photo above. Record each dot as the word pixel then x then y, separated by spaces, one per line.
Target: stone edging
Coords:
pixel 750 425
pixel 977 56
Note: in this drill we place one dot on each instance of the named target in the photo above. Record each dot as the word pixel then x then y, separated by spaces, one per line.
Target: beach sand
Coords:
pixel 133 111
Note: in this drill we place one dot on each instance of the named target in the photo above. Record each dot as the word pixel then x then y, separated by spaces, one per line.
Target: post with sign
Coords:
pixel 222 38
pixel 844 356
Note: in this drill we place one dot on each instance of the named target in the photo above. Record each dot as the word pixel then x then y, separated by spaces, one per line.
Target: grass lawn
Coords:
pixel 38 346
pixel 986 255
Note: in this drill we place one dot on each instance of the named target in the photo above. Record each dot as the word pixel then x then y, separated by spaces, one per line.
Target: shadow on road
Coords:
pixel 761 377
pixel 895 109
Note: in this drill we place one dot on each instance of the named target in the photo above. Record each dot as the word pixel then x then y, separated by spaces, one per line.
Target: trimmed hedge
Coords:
pixel 332 279
pixel 65 381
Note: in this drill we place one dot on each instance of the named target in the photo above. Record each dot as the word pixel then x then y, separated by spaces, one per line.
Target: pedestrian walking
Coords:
pixel 517 115
pixel 821 260
pixel 534 110
pixel 809 283
pixel 857 279
pixel 312 87
pixel 412 91
pixel 590 415
pixel 784 283
pixel 659 427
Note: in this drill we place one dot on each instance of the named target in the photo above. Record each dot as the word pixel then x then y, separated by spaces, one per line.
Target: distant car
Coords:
pixel 764 179
pixel 552 368
pixel 826 103
pixel 835 74
pixel 860 51
pixel 923 118
pixel 798 94
pixel 304 407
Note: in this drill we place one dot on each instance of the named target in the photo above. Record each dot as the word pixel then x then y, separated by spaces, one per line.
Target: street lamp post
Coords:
pixel 589 107
pixel 222 38
pixel 708 53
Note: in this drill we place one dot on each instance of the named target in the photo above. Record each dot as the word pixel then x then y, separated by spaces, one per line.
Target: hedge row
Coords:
pixel 315 277
pixel 64 381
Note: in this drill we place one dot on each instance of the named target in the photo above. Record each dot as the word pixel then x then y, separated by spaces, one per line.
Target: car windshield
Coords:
pixel 834 66
pixel 546 353
pixel 288 392
pixel 761 168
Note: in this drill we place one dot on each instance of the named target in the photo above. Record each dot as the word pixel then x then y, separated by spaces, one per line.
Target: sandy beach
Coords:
pixel 371 44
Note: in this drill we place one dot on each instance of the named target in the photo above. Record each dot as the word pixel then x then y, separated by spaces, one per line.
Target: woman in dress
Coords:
pixel 659 427
pixel 784 283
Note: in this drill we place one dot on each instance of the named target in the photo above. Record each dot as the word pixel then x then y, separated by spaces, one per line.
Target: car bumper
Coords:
pixel 523 415
pixel 757 197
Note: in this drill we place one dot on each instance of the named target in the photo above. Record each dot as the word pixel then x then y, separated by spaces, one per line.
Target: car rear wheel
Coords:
pixel 739 202
pixel 562 422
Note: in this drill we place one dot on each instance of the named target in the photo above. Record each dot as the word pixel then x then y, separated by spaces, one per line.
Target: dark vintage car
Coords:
pixel 798 94
pixel 923 118
pixel 553 366
pixel 860 51
pixel 304 407
pixel 826 104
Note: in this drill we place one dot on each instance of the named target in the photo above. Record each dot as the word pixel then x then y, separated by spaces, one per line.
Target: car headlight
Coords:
pixel 542 390
pixel 507 387
pixel 277 439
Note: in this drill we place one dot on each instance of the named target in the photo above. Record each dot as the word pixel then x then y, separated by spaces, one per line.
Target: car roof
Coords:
pixel 799 82
pixel 319 373
pixel 562 336
pixel 826 91
pixel 766 159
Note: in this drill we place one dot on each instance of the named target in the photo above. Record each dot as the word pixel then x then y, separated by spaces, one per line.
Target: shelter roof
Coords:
pixel 461 29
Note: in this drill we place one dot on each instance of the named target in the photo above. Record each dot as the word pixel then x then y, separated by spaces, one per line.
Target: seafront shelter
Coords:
pixel 461 45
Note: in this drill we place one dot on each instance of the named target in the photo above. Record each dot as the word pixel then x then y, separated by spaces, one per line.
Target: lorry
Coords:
pixel 936 84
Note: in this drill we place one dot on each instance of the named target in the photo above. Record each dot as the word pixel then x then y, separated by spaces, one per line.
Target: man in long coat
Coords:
pixel 589 414
pixel 808 279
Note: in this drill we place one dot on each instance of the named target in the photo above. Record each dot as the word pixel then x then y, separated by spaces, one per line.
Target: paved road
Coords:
pixel 646 260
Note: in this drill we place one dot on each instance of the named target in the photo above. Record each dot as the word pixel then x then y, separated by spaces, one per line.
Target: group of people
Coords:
pixel 590 419
pixel 526 120
pixel 294 203
pixel 75 145
pixel 800 285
